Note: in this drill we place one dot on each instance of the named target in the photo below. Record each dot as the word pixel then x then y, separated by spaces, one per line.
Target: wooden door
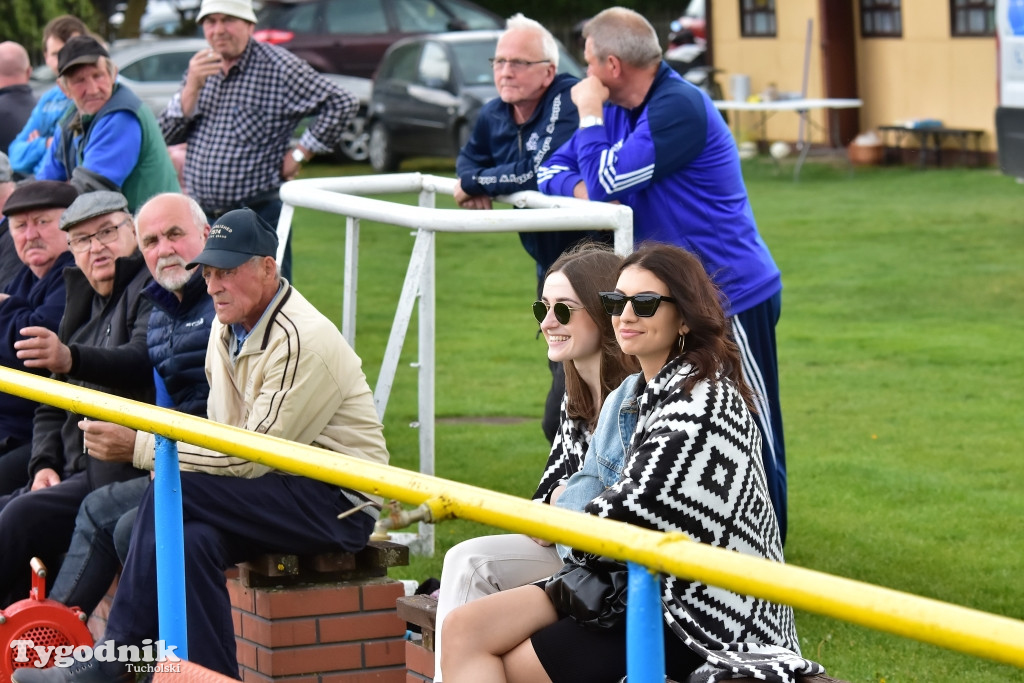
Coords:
pixel 839 62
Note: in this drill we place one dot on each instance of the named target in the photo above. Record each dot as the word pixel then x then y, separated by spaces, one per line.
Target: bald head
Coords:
pixel 14 65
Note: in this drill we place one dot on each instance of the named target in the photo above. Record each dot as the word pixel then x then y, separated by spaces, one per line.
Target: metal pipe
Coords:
pixel 170 537
pixel 956 628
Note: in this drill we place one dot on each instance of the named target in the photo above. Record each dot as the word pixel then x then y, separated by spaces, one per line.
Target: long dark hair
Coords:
pixel 591 268
pixel 708 348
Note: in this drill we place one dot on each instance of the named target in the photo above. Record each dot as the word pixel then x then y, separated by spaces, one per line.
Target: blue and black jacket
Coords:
pixel 502 157
pixel 673 161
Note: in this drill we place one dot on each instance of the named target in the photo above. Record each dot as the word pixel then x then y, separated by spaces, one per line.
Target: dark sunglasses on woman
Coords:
pixel 644 305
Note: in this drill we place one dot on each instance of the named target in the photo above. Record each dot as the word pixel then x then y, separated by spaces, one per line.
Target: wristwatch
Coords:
pixel 298 156
pixel 588 121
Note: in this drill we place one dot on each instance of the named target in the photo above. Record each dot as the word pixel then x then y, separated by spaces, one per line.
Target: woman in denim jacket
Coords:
pixel 691 464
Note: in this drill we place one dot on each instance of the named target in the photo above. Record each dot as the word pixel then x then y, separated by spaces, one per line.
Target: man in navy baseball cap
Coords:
pixel 235 238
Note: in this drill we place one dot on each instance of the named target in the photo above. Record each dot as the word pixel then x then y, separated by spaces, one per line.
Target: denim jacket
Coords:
pixel 606 456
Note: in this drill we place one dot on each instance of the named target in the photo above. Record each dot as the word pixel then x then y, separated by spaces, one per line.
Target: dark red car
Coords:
pixel 351 36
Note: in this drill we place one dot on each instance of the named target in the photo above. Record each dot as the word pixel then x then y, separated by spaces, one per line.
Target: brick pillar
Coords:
pixel 419 652
pixel 339 627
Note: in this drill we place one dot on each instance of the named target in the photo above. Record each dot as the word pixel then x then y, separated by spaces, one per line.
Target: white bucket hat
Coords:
pixel 242 9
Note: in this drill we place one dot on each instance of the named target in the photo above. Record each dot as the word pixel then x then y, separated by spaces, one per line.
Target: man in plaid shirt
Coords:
pixel 240 103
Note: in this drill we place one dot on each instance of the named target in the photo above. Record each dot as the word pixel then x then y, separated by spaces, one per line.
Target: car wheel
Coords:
pixel 355 140
pixel 382 157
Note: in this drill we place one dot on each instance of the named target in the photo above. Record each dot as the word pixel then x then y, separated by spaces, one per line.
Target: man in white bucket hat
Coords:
pixel 240 103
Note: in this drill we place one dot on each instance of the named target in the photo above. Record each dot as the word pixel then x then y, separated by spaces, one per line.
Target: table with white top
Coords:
pixel 802 107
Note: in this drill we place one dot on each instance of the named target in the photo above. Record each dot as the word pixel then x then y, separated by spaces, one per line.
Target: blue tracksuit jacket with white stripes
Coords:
pixel 674 162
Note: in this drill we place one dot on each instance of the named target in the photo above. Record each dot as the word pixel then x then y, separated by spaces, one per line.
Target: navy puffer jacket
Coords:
pixel 177 337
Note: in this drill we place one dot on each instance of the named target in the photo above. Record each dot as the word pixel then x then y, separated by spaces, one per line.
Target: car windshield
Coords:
pixel 472 60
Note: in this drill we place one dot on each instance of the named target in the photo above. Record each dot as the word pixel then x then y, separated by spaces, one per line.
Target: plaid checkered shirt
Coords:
pixel 244 120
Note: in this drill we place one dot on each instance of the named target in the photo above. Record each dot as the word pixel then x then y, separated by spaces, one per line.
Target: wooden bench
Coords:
pixel 930 142
pixel 421 610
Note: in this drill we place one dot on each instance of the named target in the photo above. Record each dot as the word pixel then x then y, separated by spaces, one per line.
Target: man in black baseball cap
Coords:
pixel 114 142
pixel 276 366
pixel 240 268
pixel 235 238
pixel 80 50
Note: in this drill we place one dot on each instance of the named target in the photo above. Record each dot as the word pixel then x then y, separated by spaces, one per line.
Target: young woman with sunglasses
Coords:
pixel 692 465
pixel 579 335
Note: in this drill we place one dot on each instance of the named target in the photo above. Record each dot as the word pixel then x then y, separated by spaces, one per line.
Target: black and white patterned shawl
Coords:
pixel 567 451
pixel 694 466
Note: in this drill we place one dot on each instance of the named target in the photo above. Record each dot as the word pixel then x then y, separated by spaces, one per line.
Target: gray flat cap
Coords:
pixel 90 205
pixel 6 173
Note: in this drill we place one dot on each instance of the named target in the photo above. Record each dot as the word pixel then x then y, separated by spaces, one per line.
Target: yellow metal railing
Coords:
pixel 931 621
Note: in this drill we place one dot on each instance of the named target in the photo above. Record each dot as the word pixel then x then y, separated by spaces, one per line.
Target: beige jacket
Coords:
pixel 295 378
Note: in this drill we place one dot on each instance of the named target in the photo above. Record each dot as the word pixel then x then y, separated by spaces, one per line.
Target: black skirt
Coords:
pixel 570 653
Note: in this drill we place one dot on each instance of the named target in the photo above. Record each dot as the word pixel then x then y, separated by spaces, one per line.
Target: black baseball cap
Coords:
pixel 79 50
pixel 236 237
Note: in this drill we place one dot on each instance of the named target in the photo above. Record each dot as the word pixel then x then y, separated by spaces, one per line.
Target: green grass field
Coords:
pixel 899 352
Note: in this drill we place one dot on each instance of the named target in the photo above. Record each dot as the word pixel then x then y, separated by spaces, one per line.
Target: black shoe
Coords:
pixel 80 672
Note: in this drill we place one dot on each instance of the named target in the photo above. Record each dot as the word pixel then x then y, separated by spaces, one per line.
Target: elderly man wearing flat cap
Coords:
pixel 239 106
pixel 113 141
pixel 33 298
pixel 100 344
pixel 171 231
pixel 278 367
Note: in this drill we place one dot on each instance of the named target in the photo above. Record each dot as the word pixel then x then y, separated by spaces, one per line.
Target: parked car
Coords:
pixel 428 92
pixel 351 36
pixel 153 69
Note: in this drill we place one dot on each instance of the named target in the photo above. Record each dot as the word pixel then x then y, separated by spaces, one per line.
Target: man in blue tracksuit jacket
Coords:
pixel 654 142
pixel 532 116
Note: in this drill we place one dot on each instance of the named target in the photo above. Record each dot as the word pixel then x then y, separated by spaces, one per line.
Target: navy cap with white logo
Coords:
pixel 236 237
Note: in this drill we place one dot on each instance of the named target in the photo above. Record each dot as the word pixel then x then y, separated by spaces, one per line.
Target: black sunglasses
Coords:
pixel 644 305
pixel 562 311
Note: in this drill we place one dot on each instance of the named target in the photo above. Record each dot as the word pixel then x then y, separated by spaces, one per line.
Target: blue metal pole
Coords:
pixel 170 536
pixel 645 644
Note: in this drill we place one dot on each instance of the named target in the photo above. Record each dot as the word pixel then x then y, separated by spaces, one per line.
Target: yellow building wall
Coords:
pixel 775 61
pixel 924 74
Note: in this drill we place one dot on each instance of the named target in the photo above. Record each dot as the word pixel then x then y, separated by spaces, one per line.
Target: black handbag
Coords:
pixel 594 594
